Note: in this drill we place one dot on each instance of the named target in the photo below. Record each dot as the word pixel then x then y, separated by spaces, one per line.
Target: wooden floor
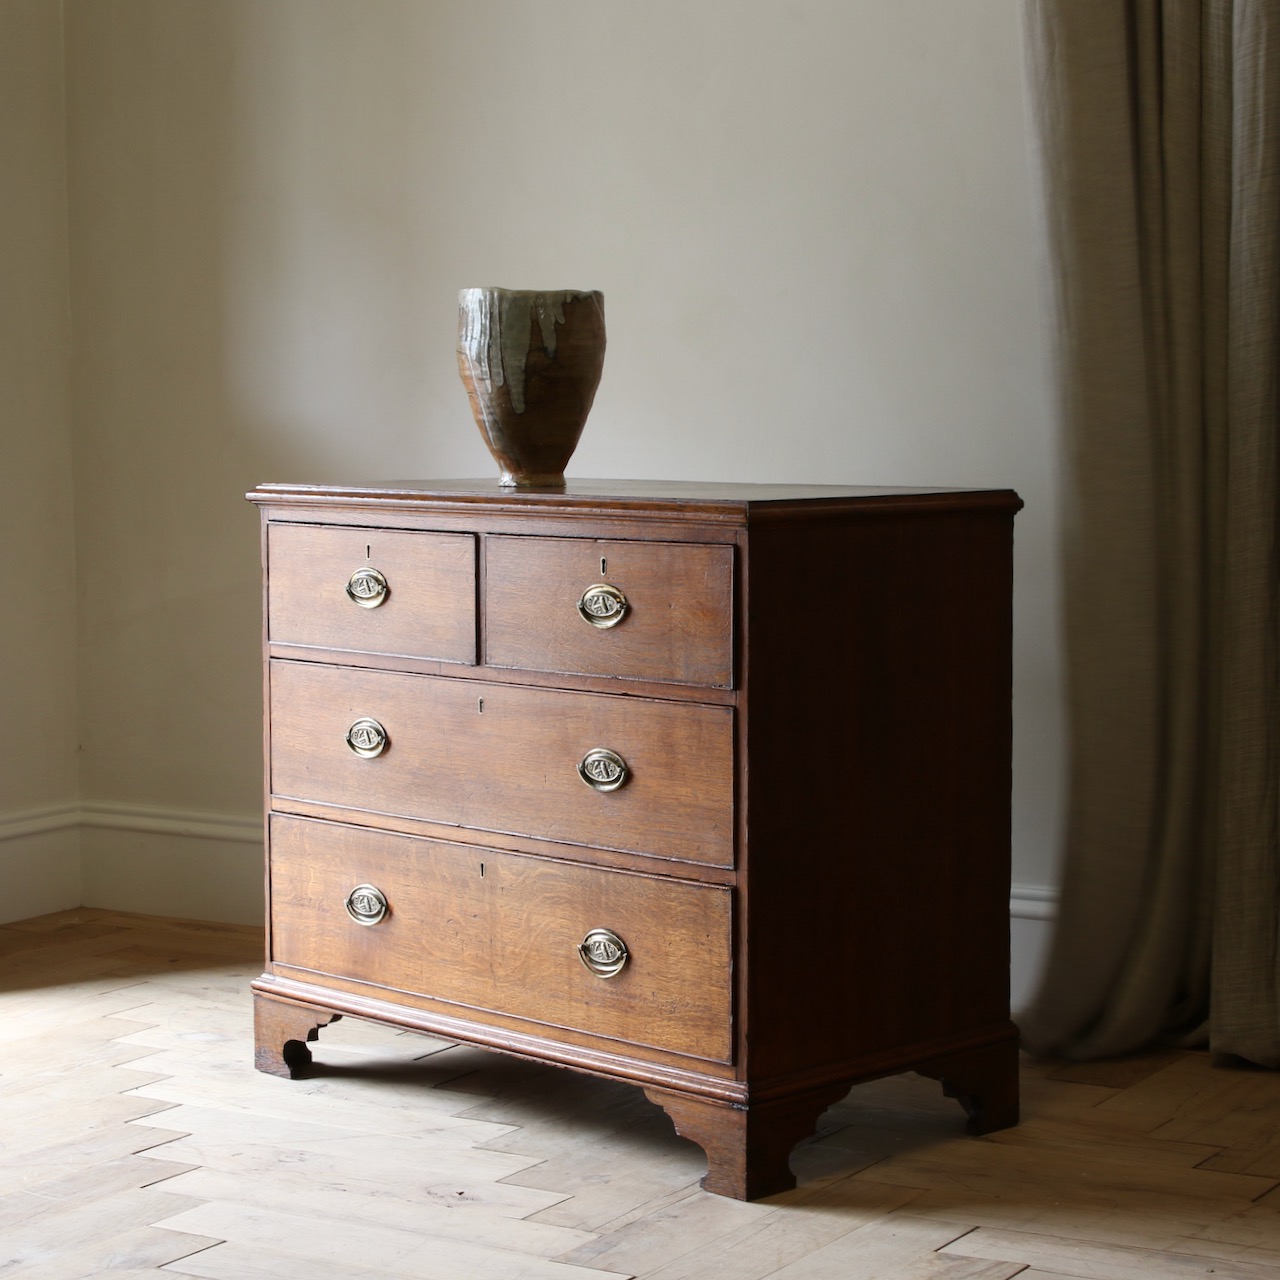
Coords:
pixel 135 1139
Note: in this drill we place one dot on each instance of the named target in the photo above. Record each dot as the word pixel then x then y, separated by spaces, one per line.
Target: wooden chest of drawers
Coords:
pixel 702 787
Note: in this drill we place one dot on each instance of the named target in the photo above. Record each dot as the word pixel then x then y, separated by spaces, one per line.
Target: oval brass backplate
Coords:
pixel 603 770
pixel 367 588
pixel 367 738
pixel 603 953
pixel 366 904
pixel 602 605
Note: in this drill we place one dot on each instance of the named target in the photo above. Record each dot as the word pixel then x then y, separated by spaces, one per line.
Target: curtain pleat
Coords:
pixel 1164 272
pixel 1246 954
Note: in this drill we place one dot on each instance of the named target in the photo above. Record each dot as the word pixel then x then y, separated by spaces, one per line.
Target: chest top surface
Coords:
pixel 724 501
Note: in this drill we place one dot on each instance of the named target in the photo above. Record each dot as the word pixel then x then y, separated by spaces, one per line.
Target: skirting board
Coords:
pixel 158 862
pixel 39 862
pixel 1033 909
pixel 130 858
pixel 206 867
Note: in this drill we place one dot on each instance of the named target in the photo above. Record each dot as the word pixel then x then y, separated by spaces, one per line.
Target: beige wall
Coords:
pixel 812 221
pixel 39 860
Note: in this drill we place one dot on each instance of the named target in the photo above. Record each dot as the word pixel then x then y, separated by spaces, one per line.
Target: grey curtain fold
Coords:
pixel 1159 123
pixel 1245 1018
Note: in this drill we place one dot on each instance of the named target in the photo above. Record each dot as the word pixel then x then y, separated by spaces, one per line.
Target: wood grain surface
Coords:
pixel 429 610
pixel 505 758
pixel 500 932
pixel 678 625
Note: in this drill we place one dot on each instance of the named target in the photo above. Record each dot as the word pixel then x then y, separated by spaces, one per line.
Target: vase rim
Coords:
pixel 464 294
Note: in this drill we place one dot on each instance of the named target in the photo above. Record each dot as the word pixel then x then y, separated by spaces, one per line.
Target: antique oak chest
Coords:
pixel 701 787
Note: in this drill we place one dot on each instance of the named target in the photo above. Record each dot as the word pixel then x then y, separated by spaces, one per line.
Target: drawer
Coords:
pixel 677 623
pixel 506 758
pixel 501 932
pixel 427 611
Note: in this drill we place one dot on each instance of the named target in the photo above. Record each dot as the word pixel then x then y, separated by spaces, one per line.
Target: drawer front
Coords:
pixel 426 611
pixel 506 758
pixel 501 932
pixel 677 624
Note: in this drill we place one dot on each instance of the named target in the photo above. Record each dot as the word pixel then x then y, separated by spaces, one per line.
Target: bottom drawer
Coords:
pixel 501 932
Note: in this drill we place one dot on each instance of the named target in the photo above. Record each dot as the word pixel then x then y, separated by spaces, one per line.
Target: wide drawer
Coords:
pixel 676 623
pixel 501 932
pixel 506 758
pixel 325 588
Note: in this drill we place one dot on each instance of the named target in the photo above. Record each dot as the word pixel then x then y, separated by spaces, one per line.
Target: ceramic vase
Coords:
pixel 530 362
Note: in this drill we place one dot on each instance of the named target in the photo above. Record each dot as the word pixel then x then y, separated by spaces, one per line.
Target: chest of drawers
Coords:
pixel 701 787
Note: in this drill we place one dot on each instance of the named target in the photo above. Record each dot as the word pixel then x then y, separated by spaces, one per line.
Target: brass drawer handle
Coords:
pixel 603 953
pixel 602 605
pixel 367 738
pixel 366 904
pixel 368 588
pixel 603 770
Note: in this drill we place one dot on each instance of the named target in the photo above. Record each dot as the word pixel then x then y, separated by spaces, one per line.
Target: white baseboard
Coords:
pixel 120 857
pixel 165 862
pixel 39 862
pixel 170 822
pixel 1033 909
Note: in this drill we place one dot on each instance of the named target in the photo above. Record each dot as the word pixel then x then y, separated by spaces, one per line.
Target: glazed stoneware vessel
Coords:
pixel 530 362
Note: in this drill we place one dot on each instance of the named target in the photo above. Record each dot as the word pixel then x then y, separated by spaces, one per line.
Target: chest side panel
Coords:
pixel 878 799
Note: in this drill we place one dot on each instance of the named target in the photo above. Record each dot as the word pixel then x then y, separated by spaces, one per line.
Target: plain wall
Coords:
pixel 39 854
pixel 812 221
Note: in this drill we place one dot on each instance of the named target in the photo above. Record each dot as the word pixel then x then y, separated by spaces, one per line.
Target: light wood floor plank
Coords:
pixel 58 1193
pixel 1100 1262
pixel 708 1235
pixel 389 1110
pixel 270 1139
pixel 393 1251
pixel 992 1169
pixel 896 1245
pixel 441 1217
pixel 1253 1234
pixel 1034 1273
pixel 232 1261
pixel 85 1227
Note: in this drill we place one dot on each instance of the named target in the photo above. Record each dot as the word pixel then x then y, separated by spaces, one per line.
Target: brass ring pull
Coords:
pixel 603 770
pixel 366 904
pixel 602 605
pixel 603 953
pixel 367 738
pixel 367 588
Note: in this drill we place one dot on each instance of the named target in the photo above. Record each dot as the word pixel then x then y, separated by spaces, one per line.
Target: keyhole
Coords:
pixel 480 706
pixel 604 567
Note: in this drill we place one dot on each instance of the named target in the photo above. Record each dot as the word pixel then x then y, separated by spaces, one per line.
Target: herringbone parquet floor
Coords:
pixel 135 1139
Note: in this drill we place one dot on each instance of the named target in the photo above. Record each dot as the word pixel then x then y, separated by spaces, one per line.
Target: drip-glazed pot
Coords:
pixel 531 362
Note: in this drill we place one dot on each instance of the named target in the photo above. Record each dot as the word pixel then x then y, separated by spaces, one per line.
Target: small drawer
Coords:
pixel 506 934
pixel 644 610
pixel 508 758
pixel 372 591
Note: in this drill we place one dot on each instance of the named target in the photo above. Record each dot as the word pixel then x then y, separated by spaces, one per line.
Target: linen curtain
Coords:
pixel 1159 133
